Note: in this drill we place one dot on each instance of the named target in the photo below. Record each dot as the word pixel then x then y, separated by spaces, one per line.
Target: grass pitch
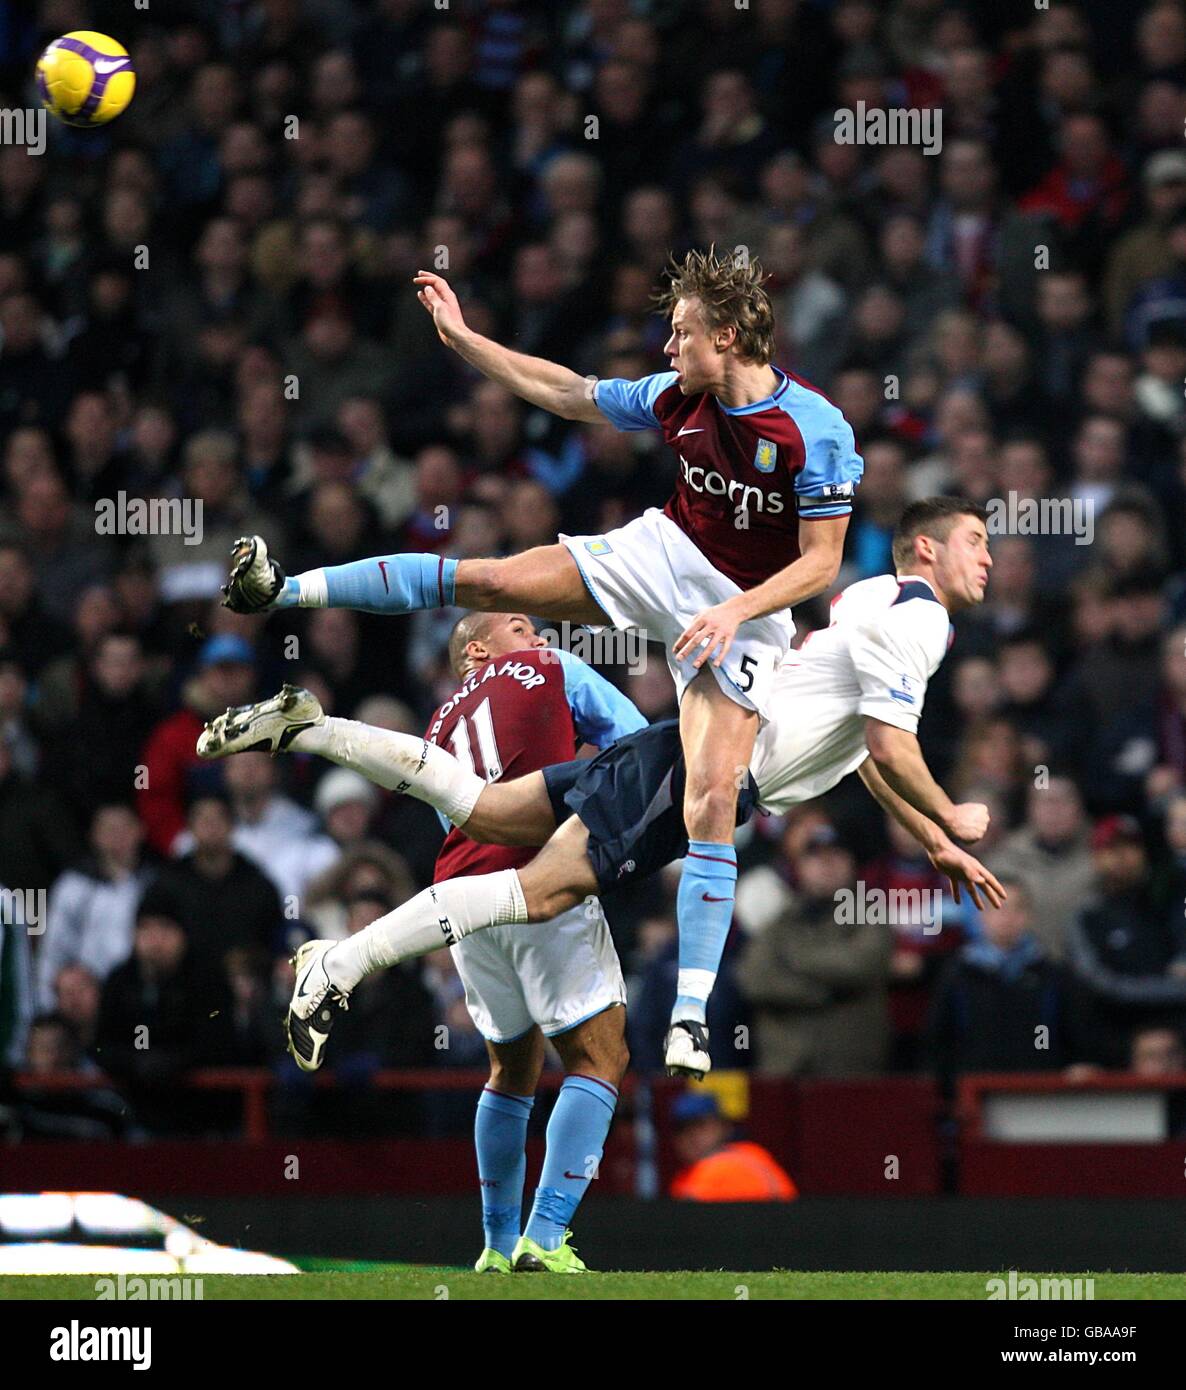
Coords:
pixel 325 1279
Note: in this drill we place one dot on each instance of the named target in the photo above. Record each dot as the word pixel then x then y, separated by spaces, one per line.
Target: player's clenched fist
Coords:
pixel 440 301
pixel 968 821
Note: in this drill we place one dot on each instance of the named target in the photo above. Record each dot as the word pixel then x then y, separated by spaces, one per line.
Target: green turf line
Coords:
pixel 352 1280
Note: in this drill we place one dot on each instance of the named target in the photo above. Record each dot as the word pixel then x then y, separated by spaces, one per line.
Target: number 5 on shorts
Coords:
pixel 746 671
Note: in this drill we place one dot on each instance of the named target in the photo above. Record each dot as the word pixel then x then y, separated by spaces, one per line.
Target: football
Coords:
pixel 85 78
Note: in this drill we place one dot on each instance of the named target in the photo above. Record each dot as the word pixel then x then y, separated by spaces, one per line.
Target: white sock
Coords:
pixel 313 588
pixel 439 916
pixel 399 762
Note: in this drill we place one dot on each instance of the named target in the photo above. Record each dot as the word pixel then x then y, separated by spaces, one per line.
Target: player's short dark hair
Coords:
pixel 931 516
pixel 729 291
pixel 467 629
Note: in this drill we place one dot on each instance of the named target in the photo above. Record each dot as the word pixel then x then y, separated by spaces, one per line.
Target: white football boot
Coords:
pixel 313 1007
pixel 685 1049
pixel 270 726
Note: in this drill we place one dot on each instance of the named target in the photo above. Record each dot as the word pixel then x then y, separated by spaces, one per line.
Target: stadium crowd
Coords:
pixel 210 302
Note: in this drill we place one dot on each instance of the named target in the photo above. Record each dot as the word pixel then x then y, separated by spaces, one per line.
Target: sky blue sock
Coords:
pixel 704 911
pixel 576 1140
pixel 385 584
pixel 500 1137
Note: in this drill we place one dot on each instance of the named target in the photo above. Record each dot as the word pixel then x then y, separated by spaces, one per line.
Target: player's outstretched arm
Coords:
pixel 959 866
pixel 546 384
pixel 899 759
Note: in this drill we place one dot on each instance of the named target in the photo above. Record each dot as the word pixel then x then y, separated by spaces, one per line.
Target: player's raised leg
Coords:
pixel 558 878
pixel 500 1139
pixel 544 581
pixel 517 812
pixel 595 1058
pixel 718 739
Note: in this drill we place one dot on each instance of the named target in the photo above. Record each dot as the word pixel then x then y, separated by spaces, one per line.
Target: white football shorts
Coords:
pixel 555 974
pixel 648 574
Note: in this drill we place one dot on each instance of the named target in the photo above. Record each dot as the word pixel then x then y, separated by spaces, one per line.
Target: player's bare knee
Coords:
pixel 614 1061
pixel 597 1047
pixel 512 1078
pixel 710 812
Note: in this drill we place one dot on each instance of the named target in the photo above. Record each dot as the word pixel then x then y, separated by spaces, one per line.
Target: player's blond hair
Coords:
pixel 729 292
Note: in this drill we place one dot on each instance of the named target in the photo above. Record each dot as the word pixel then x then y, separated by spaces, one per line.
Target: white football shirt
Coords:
pixel 885 641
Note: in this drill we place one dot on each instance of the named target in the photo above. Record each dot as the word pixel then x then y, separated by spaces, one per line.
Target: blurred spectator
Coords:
pixel 882 501
pixel 76 997
pixel 1157 1051
pixel 1143 253
pixel 1129 955
pixel 103 702
pixel 276 834
pixel 225 676
pixel 222 899
pixel 38 833
pixel 817 976
pixel 1049 854
pixel 370 867
pixel 347 804
pixel 16 731
pixel 1001 1004
pixel 459 1042
pixel 34 636
pixel 163 1012
pixel 927 926
pixel 1027 680
pixel 256 1021
pixel 716 1167
pixel 96 1112
pixel 92 908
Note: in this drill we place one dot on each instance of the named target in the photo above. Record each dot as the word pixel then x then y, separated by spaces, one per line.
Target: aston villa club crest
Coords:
pixel 765 456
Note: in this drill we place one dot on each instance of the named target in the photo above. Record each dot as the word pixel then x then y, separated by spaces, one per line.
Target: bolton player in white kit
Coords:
pixel 862 682
pixel 756 524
